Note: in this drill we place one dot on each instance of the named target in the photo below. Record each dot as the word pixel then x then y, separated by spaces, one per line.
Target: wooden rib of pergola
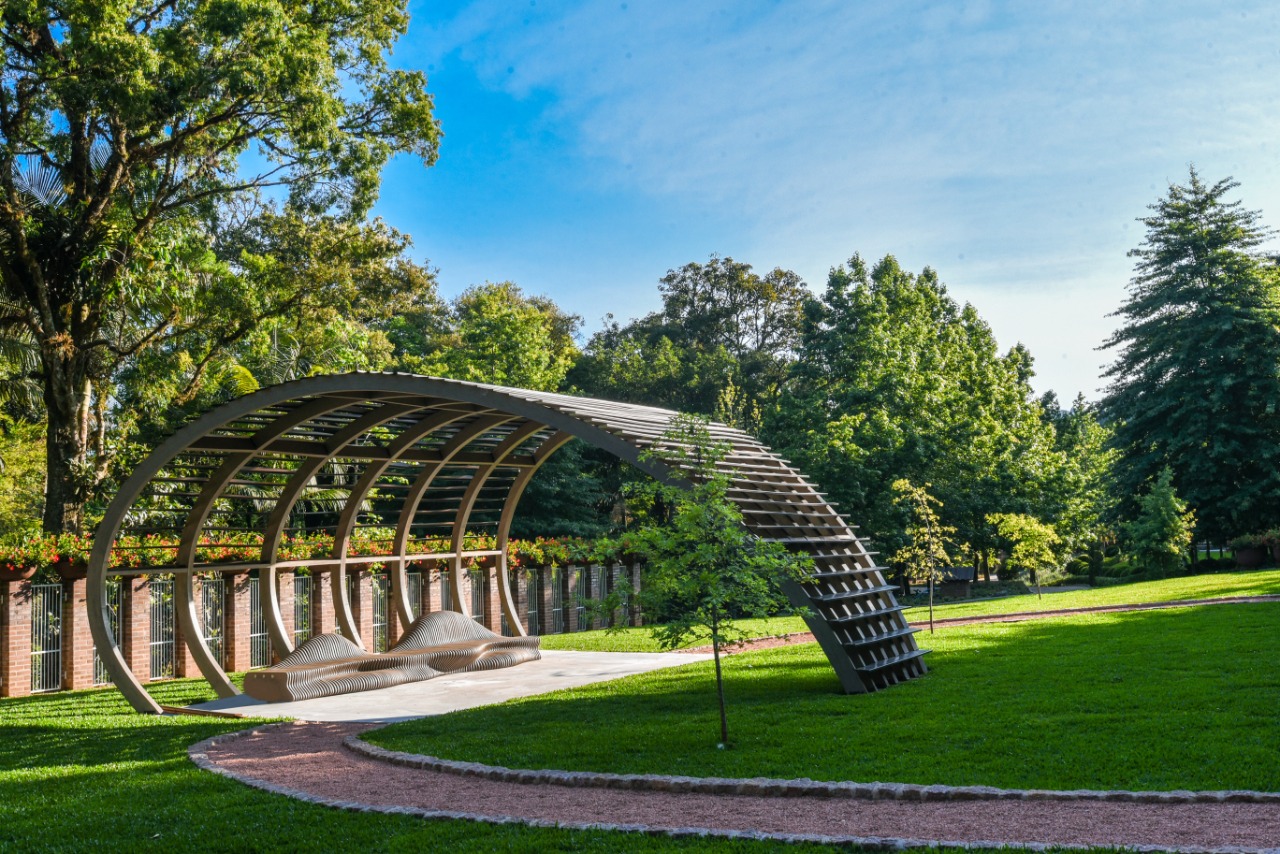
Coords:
pixel 453 458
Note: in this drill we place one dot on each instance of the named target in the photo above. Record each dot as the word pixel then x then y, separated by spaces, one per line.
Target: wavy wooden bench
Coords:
pixel 436 643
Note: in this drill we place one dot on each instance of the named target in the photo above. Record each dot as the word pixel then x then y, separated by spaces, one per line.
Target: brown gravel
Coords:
pixel 309 757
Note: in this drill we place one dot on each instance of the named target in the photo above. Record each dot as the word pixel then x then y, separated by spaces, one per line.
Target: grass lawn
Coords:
pixel 1213 586
pixel 1153 700
pixel 82 771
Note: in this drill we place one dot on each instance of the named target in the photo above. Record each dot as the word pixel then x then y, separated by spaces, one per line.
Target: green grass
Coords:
pixel 81 771
pixel 1216 586
pixel 1152 700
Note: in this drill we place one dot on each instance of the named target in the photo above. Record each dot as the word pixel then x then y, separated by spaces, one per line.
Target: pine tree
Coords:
pixel 1196 386
pixel 1160 536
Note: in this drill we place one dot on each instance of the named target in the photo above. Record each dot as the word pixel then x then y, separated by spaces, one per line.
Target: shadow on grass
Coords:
pixel 82 771
pixel 1146 700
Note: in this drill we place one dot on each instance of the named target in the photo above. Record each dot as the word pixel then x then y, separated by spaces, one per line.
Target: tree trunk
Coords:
pixel 67 405
pixel 715 651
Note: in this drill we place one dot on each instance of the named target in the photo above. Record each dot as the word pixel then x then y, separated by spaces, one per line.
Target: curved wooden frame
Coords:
pixel 382 420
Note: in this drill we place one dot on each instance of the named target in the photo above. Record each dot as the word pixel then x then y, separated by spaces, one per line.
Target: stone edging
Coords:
pixel 766 787
pixel 199 755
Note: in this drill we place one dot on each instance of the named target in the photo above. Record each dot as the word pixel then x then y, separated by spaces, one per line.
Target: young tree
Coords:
pixel 124 127
pixel 1195 381
pixel 1032 543
pixel 1162 533
pixel 703 568
pixel 925 553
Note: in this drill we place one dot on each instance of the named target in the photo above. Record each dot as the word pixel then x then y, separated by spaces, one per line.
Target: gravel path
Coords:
pixel 308 760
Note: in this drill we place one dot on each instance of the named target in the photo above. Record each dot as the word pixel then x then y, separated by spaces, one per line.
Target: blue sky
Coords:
pixel 590 147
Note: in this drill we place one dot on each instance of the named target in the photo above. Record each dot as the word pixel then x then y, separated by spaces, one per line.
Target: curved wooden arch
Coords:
pixel 429 448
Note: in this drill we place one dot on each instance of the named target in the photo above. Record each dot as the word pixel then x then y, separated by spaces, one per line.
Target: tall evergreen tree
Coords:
pixel 1196 383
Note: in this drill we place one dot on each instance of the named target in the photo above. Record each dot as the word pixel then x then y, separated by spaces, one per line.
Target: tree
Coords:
pixel 1162 533
pixel 126 127
pixel 720 347
pixel 895 380
pixel 1032 543
pixel 1196 377
pixel 927 537
pixel 703 567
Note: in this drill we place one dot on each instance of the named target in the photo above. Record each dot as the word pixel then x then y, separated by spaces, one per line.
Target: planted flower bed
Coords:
pixel 66 556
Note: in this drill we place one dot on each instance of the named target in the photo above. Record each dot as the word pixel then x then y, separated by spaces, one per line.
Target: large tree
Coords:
pixel 719 347
pixel 1196 379
pixel 125 127
pixel 895 380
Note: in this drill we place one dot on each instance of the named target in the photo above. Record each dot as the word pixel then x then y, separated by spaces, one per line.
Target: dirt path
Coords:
pixel 308 760
pixel 1021 616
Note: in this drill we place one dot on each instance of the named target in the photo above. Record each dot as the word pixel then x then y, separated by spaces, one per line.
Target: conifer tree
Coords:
pixel 1195 385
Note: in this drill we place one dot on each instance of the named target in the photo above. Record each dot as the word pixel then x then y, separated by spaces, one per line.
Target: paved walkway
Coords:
pixel 308 761
pixel 556 670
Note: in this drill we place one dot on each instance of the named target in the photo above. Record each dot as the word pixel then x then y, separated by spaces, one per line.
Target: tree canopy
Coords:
pixel 1196 379
pixel 126 129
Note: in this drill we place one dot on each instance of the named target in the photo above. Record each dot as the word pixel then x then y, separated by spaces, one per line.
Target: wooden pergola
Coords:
pixel 453 459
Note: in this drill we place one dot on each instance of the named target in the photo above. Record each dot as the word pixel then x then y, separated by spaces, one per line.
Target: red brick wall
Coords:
pixel 15 658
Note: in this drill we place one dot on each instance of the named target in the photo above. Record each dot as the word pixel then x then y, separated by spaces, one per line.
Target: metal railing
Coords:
pixel 380 586
pixel 557 600
pixel 533 595
pixel 46 637
pixel 446 592
pixel 163 636
pixel 477 595
pixel 259 640
pixel 582 588
pixel 115 596
pixel 302 587
pixel 213 624
pixel 413 580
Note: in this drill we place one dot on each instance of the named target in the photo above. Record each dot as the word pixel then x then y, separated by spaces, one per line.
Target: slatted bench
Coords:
pixel 436 643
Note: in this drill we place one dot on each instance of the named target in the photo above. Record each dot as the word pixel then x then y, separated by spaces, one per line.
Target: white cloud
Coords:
pixel 1021 137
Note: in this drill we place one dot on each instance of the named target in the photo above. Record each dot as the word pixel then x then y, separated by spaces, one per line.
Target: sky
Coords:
pixel 589 147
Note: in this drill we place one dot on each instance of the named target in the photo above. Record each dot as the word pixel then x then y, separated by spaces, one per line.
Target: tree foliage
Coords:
pixel 125 128
pixel 895 380
pixel 925 553
pixel 1161 535
pixel 720 346
pixel 1196 380
pixel 703 567
pixel 1032 543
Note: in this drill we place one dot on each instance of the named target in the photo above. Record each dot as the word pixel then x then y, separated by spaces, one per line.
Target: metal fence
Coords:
pixel 582 585
pixel 163 646
pixel 46 637
pixel 557 600
pixel 302 588
pixel 213 624
pixel 414 582
pixel 533 595
pixel 477 595
pixel 446 592
pixel 259 640
pixel 380 586
pixel 115 596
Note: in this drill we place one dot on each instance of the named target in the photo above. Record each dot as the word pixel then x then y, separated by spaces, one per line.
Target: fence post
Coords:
pixel 135 625
pixel 15 662
pixel 77 642
pixel 323 618
pixel 236 621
